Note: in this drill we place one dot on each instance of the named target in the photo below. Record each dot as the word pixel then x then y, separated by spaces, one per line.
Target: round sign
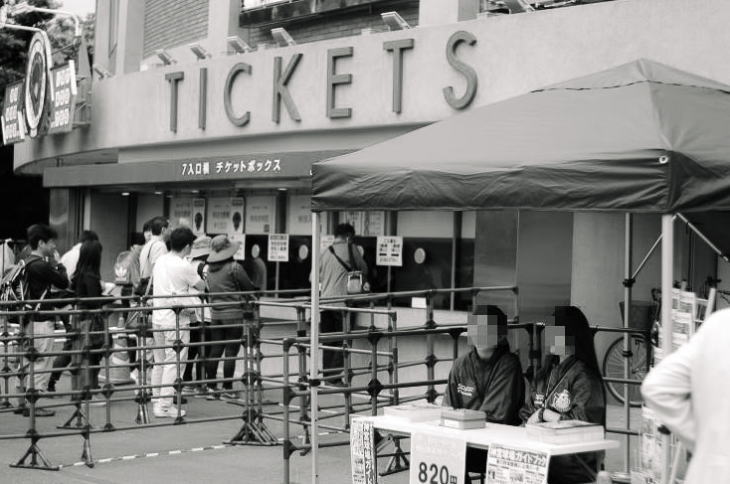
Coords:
pixel 419 256
pixel 37 80
pixel 255 250
pixel 303 252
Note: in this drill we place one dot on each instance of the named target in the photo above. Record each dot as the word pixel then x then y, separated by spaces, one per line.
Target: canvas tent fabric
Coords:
pixel 641 137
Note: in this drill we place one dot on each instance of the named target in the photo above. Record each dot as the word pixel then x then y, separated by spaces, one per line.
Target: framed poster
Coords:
pixel 219 215
pixel 237 210
pixel 181 212
pixel 278 248
pixel 198 216
pixel 299 218
pixel 260 214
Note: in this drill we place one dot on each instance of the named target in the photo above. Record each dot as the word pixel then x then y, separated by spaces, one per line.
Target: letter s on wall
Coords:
pixel 472 81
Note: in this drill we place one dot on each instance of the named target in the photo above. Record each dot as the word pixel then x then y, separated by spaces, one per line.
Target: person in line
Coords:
pixel 225 275
pixel 69 261
pixel 569 387
pixel 176 278
pixel 154 248
pixel 43 271
pixel 333 284
pixel 86 283
pixel 688 392
pixel 71 257
pixel 487 378
pixel 199 330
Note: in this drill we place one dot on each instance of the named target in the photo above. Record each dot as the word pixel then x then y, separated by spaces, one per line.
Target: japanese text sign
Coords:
pixel 278 248
pixel 13 124
pixel 390 251
pixel 362 452
pixel 436 458
pixel 63 83
pixel 506 465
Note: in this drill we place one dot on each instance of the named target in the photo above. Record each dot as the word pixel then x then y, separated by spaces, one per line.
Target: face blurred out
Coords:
pixel 48 249
pixel 559 343
pixel 483 331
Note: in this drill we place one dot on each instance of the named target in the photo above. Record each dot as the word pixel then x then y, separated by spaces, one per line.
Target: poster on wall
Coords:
pixel 181 212
pixel 219 215
pixel 506 464
pixel 299 220
pixel 198 216
pixel 260 214
pixel 390 251
pixel 241 239
pixel 366 224
pixel 237 211
pixel 362 452
pixel 437 458
pixel 278 247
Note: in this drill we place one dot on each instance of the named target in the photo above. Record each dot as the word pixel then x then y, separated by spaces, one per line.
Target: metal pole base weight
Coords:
pixel 253 432
pixel 35 456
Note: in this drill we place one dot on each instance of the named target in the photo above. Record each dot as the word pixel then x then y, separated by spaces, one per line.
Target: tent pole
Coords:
pixel 667 330
pixel 702 236
pixel 628 283
pixel 314 348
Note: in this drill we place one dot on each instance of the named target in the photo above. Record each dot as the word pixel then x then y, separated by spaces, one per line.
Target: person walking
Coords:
pixel 174 277
pixel 43 271
pixel 225 275
pixel 688 393
pixel 339 259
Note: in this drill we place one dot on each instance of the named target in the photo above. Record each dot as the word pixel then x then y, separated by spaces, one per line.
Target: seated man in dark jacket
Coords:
pixel 488 377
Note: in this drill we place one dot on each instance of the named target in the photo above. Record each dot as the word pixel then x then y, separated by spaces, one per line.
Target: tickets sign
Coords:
pixel 278 247
pixel 437 459
pixel 390 251
pixel 63 84
pixel 506 464
pixel 13 123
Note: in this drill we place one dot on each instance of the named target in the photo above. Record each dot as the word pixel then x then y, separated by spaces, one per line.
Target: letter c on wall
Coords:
pixel 472 81
pixel 232 74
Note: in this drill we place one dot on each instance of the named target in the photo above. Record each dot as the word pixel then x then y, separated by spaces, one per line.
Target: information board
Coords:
pixel 181 212
pixel 63 83
pixel 390 251
pixel 260 214
pixel 241 239
pixel 219 215
pixel 11 118
pixel 278 248
pixel 198 216
pixel 437 459
pixel 506 465
pixel 362 452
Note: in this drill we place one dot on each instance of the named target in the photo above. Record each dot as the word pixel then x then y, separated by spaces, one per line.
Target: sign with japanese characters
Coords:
pixel 198 216
pixel 219 215
pixel 260 214
pixel 234 168
pixel 278 247
pixel 300 215
pixel 237 211
pixel 436 458
pixel 181 212
pixel 241 239
pixel 506 465
pixel 390 251
pixel 362 452
pixel 366 224
pixel 63 84
pixel 13 124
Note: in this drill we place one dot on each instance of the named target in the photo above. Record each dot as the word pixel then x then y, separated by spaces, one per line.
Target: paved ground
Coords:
pixel 197 451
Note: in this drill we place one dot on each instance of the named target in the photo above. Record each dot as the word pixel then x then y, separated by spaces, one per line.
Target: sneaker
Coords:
pixel 167 413
pixel 189 390
pixel 212 394
pixel 39 412
pixel 230 395
pixel 204 391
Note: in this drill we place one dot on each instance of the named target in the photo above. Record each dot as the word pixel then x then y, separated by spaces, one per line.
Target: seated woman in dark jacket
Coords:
pixel 569 387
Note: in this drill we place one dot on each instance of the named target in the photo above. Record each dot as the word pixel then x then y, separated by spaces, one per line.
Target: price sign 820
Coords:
pixel 434 474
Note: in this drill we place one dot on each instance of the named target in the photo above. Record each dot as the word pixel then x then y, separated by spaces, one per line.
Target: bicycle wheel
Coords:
pixel 613 367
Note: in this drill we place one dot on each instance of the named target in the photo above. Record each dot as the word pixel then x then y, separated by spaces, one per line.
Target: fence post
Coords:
pixel 178 346
pixel 302 376
pixel 430 356
pixel 142 396
pixel 5 336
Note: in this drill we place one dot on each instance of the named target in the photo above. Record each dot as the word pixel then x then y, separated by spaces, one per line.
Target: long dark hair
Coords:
pixel 89 261
pixel 576 326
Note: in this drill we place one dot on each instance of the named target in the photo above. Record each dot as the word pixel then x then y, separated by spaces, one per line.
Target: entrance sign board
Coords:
pixel 437 459
pixel 506 464
pixel 390 251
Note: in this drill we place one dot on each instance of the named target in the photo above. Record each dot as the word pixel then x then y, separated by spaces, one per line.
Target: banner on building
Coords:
pixel 278 248
pixel 507 464
pixel 198 216
pixel 13 123
pixel 390 251
pixel 63 85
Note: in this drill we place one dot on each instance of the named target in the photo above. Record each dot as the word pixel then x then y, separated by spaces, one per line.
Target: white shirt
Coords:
pixel 70 259
pixel 151 251
pixel 689 391
pixel 7 258
pixel 173 276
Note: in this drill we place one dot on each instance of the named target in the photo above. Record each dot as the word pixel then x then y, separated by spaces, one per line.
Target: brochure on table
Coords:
pixel 507 464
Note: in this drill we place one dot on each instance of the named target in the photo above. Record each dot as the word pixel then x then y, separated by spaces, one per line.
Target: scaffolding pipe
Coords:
pixel 667 330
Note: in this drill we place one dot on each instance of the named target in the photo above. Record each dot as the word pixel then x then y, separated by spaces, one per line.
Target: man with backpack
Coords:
pixel 339 260
pixel 152 250
pixel 42 271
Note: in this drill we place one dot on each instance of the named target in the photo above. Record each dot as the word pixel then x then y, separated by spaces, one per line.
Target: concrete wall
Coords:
pixel 112 229
pixel 169 23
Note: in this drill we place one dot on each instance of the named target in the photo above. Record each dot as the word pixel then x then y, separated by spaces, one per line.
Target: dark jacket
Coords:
pixel 495 386
pixel 88 285
pixel 40 276
pixel 228 276
pixel 576 393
